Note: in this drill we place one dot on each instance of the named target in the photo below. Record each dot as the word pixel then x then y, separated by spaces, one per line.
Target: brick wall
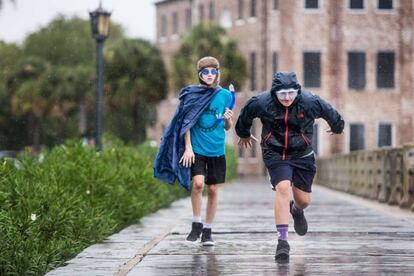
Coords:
pixel 333 30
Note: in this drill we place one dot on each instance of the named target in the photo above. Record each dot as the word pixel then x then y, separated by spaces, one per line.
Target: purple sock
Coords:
pixel 282 231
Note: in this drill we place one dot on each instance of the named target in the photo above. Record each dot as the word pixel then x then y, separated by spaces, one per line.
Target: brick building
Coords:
pixel 356 54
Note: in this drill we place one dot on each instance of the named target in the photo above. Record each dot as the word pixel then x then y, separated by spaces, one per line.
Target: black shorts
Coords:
pixel 299 171
pixel 213 168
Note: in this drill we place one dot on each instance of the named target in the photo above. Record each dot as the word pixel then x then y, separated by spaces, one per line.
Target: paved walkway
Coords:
pixel 347 236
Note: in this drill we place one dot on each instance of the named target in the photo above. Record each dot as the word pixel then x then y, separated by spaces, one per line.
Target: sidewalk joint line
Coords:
pixel 142 252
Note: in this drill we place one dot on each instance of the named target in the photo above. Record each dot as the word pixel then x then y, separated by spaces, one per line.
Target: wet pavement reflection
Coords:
pixel 346 237
pixel 205 264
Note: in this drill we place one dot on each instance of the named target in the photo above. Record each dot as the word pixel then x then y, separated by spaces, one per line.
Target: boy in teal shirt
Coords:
pixel 204 150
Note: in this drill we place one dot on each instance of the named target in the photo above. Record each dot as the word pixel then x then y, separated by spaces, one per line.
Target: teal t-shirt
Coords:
pixel 207 135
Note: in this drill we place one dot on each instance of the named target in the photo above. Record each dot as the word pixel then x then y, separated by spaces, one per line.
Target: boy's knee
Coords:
pixel 283 188
pixel 212 190
pixel 302 203
pixel 198 186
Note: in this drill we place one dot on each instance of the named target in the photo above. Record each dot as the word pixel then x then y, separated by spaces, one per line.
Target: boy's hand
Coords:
pixel 228 114
pixel 247 142
pixel 188 158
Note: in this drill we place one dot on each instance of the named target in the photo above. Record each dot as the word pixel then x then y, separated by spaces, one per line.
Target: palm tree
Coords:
pixel 208 40
pixel 75 92
pixel 29 97
pixel 138 80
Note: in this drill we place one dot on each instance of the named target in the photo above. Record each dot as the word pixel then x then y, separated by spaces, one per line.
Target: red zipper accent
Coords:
pixel 266 138
pixel 286 134
pixel 305 139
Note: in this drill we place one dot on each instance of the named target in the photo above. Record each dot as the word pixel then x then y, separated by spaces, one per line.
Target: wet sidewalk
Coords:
pixel 347 236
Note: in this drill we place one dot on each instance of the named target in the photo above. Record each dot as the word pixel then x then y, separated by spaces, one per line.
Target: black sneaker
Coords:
pixel 282 252
pixel 206 237
pixel 195 233
pixel 299 221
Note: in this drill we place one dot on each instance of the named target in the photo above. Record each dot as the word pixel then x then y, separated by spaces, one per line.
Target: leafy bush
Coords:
pixel 56 204
pixel 231 162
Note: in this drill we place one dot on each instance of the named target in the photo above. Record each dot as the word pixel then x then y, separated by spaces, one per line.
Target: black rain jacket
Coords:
pixel 287 131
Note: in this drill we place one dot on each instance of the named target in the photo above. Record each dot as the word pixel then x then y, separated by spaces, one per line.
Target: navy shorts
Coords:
pixel 299 171
pixel 213 168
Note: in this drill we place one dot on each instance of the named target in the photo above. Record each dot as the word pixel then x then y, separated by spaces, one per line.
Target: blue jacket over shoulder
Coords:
pixel 193 100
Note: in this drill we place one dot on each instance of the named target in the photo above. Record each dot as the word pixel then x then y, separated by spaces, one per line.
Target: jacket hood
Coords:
pixel 284 80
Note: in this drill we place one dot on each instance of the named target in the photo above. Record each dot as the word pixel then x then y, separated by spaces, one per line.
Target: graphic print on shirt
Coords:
pixel 208 120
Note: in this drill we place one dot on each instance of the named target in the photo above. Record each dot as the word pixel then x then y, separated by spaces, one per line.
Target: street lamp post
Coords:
pixel 100 27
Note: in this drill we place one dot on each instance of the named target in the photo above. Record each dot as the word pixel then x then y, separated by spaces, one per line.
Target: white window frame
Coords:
pixel 357 11
pixel 222 20
pixel 252 19
pixel 278 8
pixel 239 22
pixel 318 10
pixel 395 6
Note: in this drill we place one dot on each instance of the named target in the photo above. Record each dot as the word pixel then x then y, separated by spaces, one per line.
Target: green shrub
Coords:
pixel 56 204
pixel 231 162
pixel 78 197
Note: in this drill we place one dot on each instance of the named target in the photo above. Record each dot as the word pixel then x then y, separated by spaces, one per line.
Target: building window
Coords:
pixel 356 4
pixel 240 9
pixel 253 71
pixel 312 69
pixel 275 4
pixel 175 23
pixel 315 141
pixel 163 26
pixel 385 4
pixel 274 62
pixel 211 11
pixel 384 135
pixel 188 20
pixel 385 69
pixel 201 12
pixel 252 8
pixel 357 137
pixel 225 18
pixel 356 70
pixel 311 4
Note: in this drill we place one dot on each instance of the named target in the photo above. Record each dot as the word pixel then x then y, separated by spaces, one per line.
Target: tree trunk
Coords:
pixel 135 121
pixel 35 126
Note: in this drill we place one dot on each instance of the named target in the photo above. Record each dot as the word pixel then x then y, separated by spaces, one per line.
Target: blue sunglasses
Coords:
pixel 213 71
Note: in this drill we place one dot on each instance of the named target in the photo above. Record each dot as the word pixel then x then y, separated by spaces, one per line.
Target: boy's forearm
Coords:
pixel 228 124
pixel 187 140
pixel 243 127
